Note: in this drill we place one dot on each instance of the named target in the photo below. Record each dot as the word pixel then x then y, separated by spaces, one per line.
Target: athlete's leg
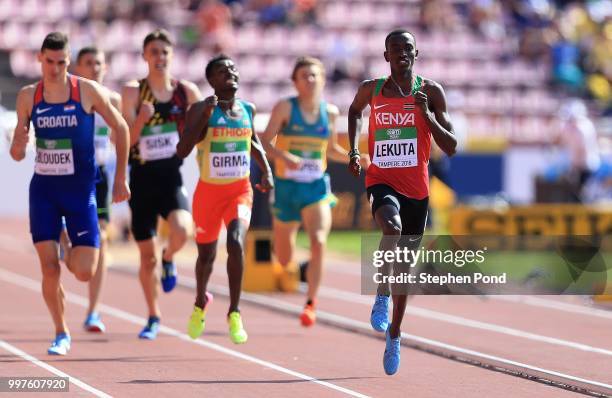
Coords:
pixel 388 219
pixel 236 232
pixel 317 223
pixel 179 224
pixel 149 278
pixel 413 214
pixel 83 262
pixel 95 284
pixel 84 233
pixel 51 286
pixel 204 266
pixel 284 234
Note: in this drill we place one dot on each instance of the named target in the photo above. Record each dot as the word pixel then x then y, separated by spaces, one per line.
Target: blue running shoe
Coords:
pixel 150 330
pixel 379 319
pixel 61 345
pixel 391 357
pixel 93 323
pixel 168 276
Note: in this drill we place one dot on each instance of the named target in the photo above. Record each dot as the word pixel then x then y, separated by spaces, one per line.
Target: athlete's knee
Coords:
pixel 180 233
pixel 235 245
pixel 391 227
pixel 84 274
pixel 148 261
pixel 318 240
pixel 51 271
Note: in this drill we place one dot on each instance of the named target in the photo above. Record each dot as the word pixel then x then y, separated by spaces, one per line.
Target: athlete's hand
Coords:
pixel 121 191
pixel 267 183
pixel 292 161
pixel 355 166
pixel 210 103
pixel 421 100
pixel 146 111
pixel 18 146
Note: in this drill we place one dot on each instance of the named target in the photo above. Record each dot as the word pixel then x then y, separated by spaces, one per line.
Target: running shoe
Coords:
pixel 379 318
pixel 61 345
pixel 196 324
pixel 93 323
pixel 391 357
pixel 150 330
pixel 168 276
pixel 236 330
pixel 308 317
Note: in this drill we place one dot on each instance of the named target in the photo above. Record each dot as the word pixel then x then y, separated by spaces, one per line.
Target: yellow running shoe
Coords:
pixel 196 324
pixel 236 330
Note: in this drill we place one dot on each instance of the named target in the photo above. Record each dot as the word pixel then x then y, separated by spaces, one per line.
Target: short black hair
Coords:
pixel 213 61
pixel 398 32
pixel 157 34
pixel 55 41
pixel 87 50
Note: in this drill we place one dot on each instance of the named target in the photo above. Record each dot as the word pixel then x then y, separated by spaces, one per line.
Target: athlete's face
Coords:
pixel 92 66
pixel 158 55
pixel 224 76
pixel 54 63
pixel 401 51
pixel 309 80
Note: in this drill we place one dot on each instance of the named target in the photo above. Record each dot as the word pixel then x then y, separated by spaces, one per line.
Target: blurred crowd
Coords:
pixel 573 37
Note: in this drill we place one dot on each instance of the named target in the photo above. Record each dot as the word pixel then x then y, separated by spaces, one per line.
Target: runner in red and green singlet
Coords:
pixel 407 110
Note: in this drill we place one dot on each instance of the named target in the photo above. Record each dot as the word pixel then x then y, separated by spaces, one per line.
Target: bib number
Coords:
pixel 311 169
pixel 54 157
pixel 158 142
pixel 102 145
pixel 395 147
pixel 229 160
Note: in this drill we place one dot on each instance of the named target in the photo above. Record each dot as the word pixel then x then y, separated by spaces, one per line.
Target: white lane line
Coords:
pixel 82 301
pixel 24 355
pixel 457 320
pixel 352 324
pixel 555 305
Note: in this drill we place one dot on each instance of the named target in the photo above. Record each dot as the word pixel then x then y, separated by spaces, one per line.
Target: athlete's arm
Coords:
pixel 115 100
pixel 278 119
pixel 335 152
pixel 355 116
pixel 135 121
pixel 193 93
pixel 432 102
pixel 196 124
pixel 259 154
pixel 101 103
pixel 25 99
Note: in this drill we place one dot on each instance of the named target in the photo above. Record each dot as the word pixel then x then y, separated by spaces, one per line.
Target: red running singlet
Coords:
pixel 399 143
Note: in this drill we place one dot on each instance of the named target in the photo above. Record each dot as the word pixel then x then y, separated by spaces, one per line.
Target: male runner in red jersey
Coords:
pixel 406 112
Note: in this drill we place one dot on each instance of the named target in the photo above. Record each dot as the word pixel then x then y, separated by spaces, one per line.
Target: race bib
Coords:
pixel 395 147
pixel 229 159
pixel 311 169
pixel 54 157
pixel 102 144
pixel 158 142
